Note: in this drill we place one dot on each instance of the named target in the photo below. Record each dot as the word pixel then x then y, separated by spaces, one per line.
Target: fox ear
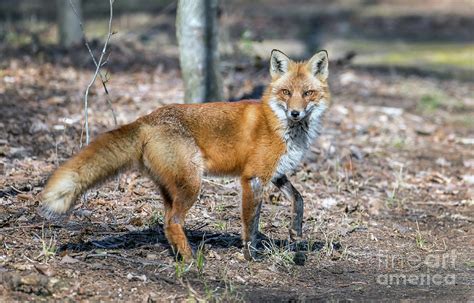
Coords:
pixel 318 65
pixel 279 63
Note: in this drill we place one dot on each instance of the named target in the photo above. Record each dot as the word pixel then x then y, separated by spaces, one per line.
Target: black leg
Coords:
pixel 291 193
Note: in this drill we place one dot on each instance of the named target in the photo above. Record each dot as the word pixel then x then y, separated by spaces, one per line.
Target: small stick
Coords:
pixel 98 64
pixel 26 226
pixel 213 182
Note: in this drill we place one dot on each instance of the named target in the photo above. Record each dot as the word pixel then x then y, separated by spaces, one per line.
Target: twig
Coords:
pixel 17 190
pixel 214 182
pixel 98 64
pixel 127 259
pixel 447 203
pixel 27 226
pixel 199 226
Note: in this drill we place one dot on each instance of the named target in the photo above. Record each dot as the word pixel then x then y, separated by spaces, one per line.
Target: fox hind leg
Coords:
pixel 182 201
pixel 180 182
pixel 174 221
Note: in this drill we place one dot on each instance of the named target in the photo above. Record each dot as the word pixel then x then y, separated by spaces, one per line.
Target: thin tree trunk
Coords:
pixel 69 29
pixel 197 32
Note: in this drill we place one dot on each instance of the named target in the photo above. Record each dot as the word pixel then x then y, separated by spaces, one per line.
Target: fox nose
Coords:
pixel 295 113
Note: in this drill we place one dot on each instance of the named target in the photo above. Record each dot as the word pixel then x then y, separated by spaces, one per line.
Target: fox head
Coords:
pixel 298 89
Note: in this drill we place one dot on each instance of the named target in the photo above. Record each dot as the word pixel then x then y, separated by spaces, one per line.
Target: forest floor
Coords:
pixel 388 190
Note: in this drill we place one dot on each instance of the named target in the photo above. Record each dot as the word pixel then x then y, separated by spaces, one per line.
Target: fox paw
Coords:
pixel 251 253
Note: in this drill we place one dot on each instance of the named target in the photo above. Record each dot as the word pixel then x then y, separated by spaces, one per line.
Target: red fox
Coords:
pixel 258 141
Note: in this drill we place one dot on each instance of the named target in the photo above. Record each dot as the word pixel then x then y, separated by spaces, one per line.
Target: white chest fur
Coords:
pixel 298 137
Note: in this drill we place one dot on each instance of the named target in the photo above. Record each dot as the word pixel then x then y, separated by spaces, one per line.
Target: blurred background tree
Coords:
pixel 69 29
pixel 197 33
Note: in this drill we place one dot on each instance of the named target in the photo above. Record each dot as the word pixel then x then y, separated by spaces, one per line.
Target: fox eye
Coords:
pixel 285 92
pixel 308 93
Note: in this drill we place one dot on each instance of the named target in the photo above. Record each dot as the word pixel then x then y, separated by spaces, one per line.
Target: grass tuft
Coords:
pixel 48 246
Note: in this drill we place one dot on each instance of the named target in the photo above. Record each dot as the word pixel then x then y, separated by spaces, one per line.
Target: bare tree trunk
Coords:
pixel 197 32
pixel 69 29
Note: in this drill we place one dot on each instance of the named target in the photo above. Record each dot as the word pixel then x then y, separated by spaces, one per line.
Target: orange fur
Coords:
pixel 177 144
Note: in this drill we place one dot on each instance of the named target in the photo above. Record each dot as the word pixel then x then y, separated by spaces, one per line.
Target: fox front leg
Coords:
pixel 291 193
pixel 252 190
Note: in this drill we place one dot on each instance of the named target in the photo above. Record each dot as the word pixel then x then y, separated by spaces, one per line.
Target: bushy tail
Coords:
pixel 103 158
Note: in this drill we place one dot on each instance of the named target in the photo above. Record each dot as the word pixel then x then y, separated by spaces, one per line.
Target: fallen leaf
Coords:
pixel 132 277
pixel 328 203
pixel 45 270
pixel 68 260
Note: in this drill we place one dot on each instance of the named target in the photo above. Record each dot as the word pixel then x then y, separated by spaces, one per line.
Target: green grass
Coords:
pixel 155 218
pixel 279 256
pixel 200 261
pixel 181 268
pixel 221 225
pixel 430 103
pixel 48 246
pixel 419 239
pixel 457 56
pixel 399 143
pixel 393 197
pixel 429 56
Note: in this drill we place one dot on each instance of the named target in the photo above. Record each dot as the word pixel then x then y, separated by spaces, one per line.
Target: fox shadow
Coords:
pixel 197 238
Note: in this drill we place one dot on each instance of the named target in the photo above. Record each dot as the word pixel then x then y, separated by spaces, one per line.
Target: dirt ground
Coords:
pixel 388 190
